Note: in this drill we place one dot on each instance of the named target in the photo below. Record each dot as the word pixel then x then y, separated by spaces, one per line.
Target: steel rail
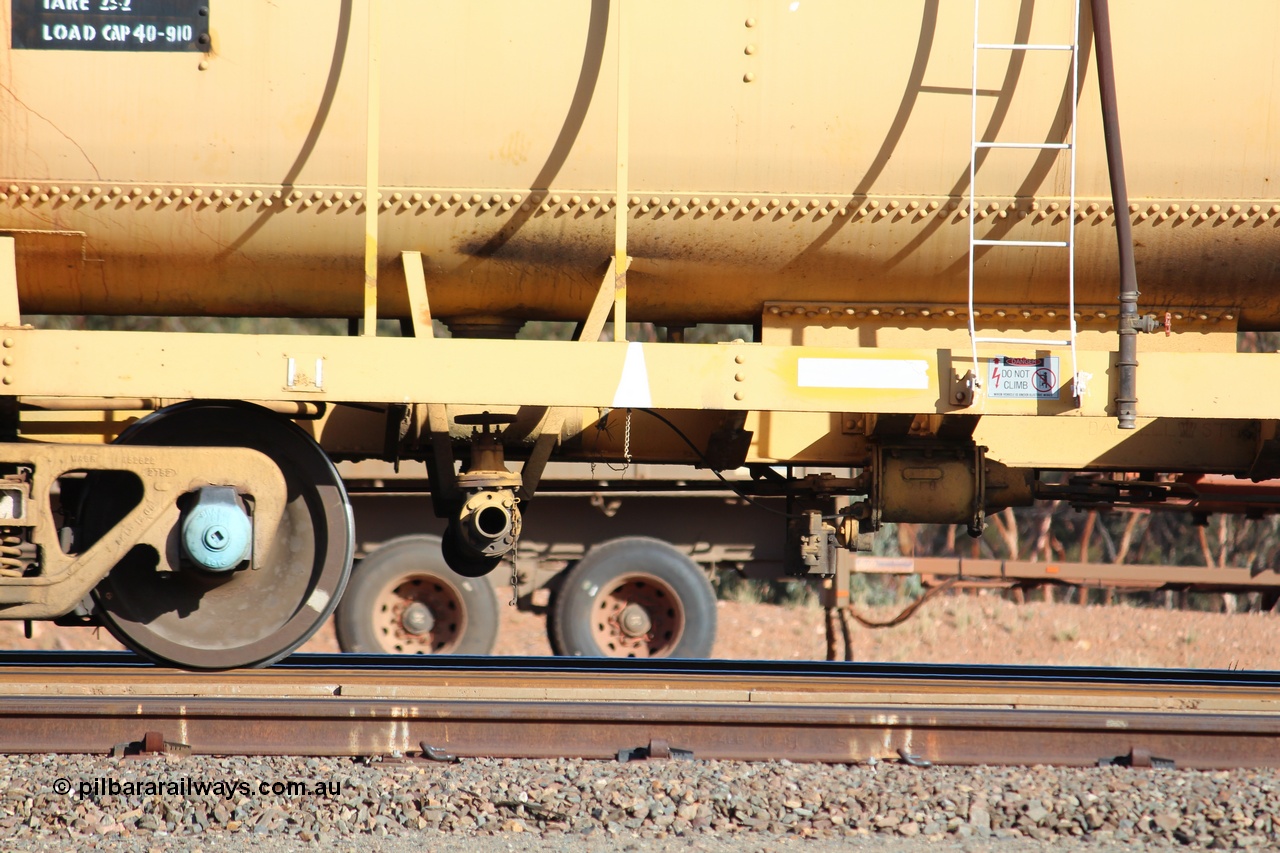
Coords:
pixel 668 666
pixel 945 735
pixel 595 709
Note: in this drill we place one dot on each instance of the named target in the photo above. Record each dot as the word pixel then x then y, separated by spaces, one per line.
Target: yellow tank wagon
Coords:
pixel 910 202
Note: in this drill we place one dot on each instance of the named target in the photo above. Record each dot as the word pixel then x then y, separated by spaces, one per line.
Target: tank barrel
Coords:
pixel 518 224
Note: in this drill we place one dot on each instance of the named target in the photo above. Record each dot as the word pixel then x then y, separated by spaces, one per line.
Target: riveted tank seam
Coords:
pixel 696 207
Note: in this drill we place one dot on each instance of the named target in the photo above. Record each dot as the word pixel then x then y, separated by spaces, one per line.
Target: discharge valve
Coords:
pixel 486 527
pixel 216 531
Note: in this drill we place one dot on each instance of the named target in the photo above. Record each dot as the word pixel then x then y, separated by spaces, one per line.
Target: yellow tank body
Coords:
pixel 812 150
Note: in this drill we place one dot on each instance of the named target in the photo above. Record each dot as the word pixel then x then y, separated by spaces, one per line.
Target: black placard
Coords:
pixel 120 25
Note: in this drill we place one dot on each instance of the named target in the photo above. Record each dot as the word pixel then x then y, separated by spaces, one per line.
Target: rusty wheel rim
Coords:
pixel 419 614
pixel 637 616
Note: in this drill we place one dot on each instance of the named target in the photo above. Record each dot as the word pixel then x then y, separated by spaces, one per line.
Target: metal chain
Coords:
pixel 626 446
pixel 515 575
pixel 626 440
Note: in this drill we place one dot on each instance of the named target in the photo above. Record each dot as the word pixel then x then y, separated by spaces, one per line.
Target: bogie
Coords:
pixel 252 614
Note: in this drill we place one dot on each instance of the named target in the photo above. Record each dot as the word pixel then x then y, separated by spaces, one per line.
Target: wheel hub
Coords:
pixel 638 616
pixel 419 614
pixel 634 621
pixel 417 619
pixel 216 533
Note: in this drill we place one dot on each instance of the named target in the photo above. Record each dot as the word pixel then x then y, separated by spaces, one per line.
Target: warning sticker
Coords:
pixel 1023 378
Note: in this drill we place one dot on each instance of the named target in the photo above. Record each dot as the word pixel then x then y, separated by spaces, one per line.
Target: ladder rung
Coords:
pixel 1050 244
pixel 989 46
pixel 1034 341
pixel 1060 146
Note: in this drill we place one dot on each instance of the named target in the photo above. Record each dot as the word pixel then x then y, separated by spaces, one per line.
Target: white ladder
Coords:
pixel 1068 244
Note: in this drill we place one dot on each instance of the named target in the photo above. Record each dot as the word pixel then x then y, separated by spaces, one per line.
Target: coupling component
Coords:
pixel 216 532
pixel 488 524
pixel 813 545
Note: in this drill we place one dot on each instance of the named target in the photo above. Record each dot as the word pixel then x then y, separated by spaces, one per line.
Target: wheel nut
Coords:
pixel 216 538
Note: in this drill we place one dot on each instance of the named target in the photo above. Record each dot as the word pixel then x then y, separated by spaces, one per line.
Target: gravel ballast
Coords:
pixel 570 805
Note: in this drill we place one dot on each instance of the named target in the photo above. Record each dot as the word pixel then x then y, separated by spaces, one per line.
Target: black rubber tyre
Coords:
pixel 464 566
pixel 553 640
pixel 409 571
pixel 634 597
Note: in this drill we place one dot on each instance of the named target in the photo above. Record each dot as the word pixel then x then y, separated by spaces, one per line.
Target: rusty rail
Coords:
pixel 506 713
pixel 942 735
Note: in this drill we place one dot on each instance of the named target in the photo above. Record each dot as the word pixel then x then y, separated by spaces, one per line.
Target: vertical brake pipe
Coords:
pixel 620 208
pixel 1126 401
pixel 1076 390
pixel 371 201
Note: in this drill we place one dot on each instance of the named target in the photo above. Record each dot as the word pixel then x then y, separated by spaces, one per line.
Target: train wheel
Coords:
pixel 404 599
pixel 634 598
pixel 187 617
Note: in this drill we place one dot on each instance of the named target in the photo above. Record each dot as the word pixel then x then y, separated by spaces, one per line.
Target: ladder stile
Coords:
pixel 1069 147
pixel 973 185
pixel 1076 388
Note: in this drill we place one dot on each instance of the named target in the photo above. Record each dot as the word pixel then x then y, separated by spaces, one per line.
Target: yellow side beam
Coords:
pixel 728 377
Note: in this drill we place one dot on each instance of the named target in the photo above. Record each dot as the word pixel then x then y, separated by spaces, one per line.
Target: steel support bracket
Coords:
pixel 1266 461
pixel 433 421
pixel 728 446
pixel 435 753
pixel 963 388
pixel 430 754
pixel 1138 757
pixel 912 760
pixel 657 749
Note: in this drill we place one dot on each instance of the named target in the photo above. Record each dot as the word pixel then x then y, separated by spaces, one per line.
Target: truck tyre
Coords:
pixel 634 597
pixel 404 599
